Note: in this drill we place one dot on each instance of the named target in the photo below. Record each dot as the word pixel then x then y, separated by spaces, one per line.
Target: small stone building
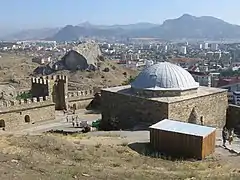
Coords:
pixel 163 91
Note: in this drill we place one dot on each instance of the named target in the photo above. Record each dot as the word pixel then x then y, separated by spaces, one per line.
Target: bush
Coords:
pixel 24 96
pixel 129 80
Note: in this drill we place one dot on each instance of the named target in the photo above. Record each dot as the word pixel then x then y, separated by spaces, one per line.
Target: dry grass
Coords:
pixel 60 157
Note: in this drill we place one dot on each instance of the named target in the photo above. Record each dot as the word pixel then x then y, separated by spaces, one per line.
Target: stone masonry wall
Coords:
pixel 15 117
pixel 233 116
pixel 212 108
pixel 80 99
pixel 130 110
pixel 80 103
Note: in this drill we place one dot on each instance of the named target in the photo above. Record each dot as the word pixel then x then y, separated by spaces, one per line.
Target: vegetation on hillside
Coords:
pixel 129 80
pixel 104 157
pixel 230 73
pixel 24 96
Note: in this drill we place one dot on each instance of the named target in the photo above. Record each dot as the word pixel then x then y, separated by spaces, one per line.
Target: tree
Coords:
pixel 129 80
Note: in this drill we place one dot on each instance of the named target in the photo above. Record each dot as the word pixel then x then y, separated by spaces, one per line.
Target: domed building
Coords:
pixel 164 79
pixel 163 91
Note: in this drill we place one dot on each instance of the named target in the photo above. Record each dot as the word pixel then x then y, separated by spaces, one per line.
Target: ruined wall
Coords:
pixel 233 116
pixel 80 99
pixel 211 108
pixel 24 113
pixel 129 110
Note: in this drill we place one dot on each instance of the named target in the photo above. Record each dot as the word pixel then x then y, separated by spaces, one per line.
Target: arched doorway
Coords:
pixel 27 119
pixel 74 106
pixel 2 123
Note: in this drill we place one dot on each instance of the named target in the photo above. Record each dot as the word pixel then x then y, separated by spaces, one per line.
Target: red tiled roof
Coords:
pixel 228 81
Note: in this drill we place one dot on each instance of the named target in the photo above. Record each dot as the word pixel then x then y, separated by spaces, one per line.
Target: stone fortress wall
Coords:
pixel 23 112
pixel 211 109
pixel 81 99
pixel 128 110
pixel 49 93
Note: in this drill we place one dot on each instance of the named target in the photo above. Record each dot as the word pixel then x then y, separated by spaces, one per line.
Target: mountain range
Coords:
pixel 184 27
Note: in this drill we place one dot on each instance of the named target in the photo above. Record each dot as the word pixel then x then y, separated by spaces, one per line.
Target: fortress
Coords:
pixel 49 93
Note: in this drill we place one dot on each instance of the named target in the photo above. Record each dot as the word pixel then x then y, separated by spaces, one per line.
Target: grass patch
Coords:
pixel 109 135
pixel 58 157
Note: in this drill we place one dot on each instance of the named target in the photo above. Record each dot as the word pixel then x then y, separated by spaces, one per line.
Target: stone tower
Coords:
pixel 56 87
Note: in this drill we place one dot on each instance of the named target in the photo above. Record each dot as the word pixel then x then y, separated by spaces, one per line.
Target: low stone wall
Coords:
pixel 233 116
pixel 80 103
pixel 15 117
pixel 80 99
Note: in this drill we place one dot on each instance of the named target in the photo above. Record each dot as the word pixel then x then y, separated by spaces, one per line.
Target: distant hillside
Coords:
pixel 32 34
pixel 186 26
pixel 71 33
pixel 137 26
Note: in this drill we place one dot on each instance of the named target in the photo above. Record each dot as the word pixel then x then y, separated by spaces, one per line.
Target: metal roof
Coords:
pixel 165 76
pixel 183 128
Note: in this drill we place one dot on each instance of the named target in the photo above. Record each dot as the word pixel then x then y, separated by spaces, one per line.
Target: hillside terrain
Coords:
pixel 184 27
pixel 18 69
pixel 82 157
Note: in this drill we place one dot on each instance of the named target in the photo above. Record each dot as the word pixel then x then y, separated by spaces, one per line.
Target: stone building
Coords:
pixel 163 91
pixel 49 93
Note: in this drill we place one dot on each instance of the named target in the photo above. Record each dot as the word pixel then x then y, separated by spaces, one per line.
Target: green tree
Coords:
pixel 129 80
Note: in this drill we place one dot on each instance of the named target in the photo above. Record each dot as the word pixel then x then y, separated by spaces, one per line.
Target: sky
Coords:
pixel 23 14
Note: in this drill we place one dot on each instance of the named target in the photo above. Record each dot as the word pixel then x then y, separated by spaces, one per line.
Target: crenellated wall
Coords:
pixel 80 94
pixel 80 99
pixel 20 113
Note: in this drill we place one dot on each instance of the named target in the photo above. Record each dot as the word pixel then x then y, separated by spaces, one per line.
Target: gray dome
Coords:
pixel 164 76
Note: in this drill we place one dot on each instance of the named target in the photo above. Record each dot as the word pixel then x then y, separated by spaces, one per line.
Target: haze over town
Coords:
pixel 119 89
pixel 42 14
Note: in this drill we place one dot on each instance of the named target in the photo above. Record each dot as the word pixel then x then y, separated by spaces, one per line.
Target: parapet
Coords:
pixel 25 102
pixel 84 93
pixel 46 79
pixel 56 77
pixel 39 80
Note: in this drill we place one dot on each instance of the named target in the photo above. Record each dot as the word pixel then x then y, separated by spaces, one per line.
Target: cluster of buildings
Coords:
pixel 205 61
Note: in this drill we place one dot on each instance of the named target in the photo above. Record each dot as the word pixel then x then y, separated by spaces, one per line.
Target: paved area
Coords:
pixel 60 123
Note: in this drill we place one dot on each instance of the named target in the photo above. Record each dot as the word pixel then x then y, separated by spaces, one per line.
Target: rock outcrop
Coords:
pixel 7 94
pixel 82 57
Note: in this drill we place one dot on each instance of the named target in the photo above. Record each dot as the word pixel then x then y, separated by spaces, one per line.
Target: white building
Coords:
pixel 236 97
pixel 200 46
pixel 183 50
pixel 233 93
pixel 206 46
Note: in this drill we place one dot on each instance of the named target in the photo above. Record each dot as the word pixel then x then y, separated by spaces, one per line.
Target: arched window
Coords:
pixel 74 106
pixel 27 119
pixel 2 123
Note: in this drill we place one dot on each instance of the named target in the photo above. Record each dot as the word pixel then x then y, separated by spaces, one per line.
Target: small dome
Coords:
pixel 165 76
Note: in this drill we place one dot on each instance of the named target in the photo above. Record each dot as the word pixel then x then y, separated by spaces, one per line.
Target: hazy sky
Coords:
pixel 51 13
